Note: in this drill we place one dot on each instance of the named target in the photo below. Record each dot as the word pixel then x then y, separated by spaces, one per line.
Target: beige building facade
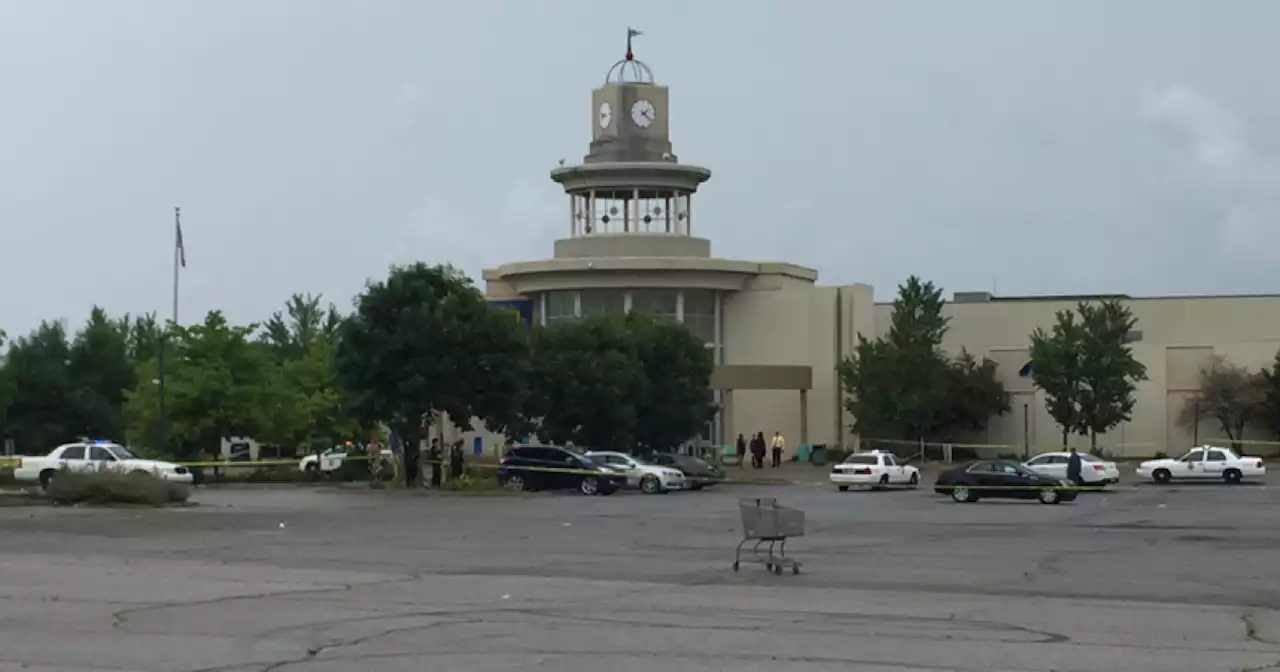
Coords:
pixel 776 335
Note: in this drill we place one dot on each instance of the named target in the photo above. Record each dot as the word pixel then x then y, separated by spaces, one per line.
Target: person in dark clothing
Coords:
pixel 757 450
pixel 455 461
pixel 434 455
pixel 411 454
pixel 1074 467
pixel 742 451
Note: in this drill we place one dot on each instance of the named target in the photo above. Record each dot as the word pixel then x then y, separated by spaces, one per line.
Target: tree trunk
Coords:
pixel 1093 441
pixel 1066 433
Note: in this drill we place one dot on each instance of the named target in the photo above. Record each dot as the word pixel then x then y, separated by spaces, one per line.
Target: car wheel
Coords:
pixel 650 485
pixel 914 482
pixel 515 482
pixel 1049 496
pixel 46 478
pixel 962 494
pixel 882 483
pixel 312 467
pixel 1161 476
pixel 589 486
pixel 842 488
pixel 1232 476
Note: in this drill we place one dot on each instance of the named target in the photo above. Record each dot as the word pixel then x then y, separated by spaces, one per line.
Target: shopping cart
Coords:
pixel 764 521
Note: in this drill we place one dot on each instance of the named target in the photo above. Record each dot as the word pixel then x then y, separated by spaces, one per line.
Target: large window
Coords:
pixel 655 302
pixel 700 313
pixel 603 301
pixel 561 306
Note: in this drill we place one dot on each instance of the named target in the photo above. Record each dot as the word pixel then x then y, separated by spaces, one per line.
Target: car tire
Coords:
pixel 1232 476
pixel 589 486
pixel 1161 476
pixel 882 483
pixel 650 485
pixel 842 488
pixel 516 482
pixel 46 478
pixel 1049 496
pixel 963 495
pixel 914 481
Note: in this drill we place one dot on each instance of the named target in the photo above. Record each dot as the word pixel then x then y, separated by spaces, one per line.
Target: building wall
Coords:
pixel 1178 337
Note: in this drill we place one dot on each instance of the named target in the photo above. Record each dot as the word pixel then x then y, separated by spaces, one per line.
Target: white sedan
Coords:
pixel 1093 470
pixel 874 469
pixel 650 478
pixel 1204 463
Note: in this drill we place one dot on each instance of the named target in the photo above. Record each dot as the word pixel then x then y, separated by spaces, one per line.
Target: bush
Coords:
pixel 112 488
pixel 477 484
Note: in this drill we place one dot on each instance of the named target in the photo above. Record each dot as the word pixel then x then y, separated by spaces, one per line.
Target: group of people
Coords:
pixel 757 447
pixel 435 455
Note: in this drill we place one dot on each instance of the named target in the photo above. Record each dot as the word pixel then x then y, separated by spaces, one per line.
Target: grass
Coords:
pixel 104 488
pixel 481 484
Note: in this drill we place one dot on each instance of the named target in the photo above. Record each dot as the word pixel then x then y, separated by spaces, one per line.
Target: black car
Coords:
pixel 1001 479
pixel 553 468
pixel 698 473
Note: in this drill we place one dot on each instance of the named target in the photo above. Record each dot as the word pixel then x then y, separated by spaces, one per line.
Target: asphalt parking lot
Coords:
pixel 315 579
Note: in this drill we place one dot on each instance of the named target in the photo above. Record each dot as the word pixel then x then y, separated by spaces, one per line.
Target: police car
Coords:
pixel 873 469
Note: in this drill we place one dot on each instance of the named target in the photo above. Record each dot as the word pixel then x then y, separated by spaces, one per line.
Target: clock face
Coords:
pixel 606 115
pixel 643 113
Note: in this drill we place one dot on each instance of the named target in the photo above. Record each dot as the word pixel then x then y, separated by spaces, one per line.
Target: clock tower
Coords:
pixel 630 181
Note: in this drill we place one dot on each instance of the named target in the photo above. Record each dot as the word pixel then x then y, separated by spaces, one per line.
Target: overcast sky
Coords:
pixel 1031 146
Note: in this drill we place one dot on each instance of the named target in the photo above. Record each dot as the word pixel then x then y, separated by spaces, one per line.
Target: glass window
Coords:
pixel 656 302
pixel 560 306
pixel 73 453
pixel 1193 456
pixel 100 453
pixel 700 313
pixel 1217 456
pixel 603 302
pixel 889 461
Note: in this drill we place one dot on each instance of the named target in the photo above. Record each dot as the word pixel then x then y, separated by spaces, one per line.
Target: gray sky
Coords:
pixel 1041 147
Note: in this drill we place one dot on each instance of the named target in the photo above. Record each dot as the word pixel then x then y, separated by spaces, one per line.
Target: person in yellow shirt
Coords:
pixel 778 445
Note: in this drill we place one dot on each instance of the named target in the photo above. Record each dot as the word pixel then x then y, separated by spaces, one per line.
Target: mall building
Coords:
pixel 632 243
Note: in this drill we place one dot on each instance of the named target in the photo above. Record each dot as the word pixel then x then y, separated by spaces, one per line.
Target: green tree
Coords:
pixel 305 403
pixel 1109 373
pixel 1269 410
pixel 218 384
pixel 425 340
pixel 101 372
pixel 677 400
pixel 303 323
pixel 1057 370
pixel 897 385
pixel 39 416
pixel 1230 394
pixel 584 384
pixel 975 393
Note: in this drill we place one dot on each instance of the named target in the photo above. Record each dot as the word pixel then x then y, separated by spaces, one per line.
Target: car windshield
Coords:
pixel 122 453
pixel 862 459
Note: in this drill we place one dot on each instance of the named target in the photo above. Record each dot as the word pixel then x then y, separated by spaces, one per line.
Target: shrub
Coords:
pixel 112 488
pixel 475 484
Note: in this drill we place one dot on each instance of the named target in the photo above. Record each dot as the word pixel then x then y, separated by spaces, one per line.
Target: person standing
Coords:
pixel 741 446
pixel 757 450
pixel 434 458
pixel 779 444
pixel 1074 467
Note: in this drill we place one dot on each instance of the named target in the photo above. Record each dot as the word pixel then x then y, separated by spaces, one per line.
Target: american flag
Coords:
pixel 182 249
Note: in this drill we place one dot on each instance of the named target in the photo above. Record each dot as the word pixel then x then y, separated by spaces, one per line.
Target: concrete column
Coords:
pixel 804 418
pixel 726 416
pixel 573 215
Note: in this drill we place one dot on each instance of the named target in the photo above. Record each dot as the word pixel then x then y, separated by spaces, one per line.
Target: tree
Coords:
pixel 975 392
pixel 39 414
pixel 584 384
pixel 218 384
pixel 1269 409
pixel 677 401
pixel 303 323
pixel 1109 373
pixel 101 372
pixel 425 340
pixel 1056 368
pixel 904 385
pixel 1230 394
pixel 306 403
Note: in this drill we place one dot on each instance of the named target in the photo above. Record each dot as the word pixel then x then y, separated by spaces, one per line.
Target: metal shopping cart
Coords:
pixel 764 521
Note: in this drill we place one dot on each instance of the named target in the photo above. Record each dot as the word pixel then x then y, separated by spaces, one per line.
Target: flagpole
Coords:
pixel 177 258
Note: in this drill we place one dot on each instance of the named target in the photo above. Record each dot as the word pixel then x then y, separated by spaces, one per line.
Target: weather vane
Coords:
pixel 631 32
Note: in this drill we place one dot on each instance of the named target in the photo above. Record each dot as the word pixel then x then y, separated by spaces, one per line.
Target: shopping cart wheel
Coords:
pixel 735 565
pixel 777 569
pixel 795 569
